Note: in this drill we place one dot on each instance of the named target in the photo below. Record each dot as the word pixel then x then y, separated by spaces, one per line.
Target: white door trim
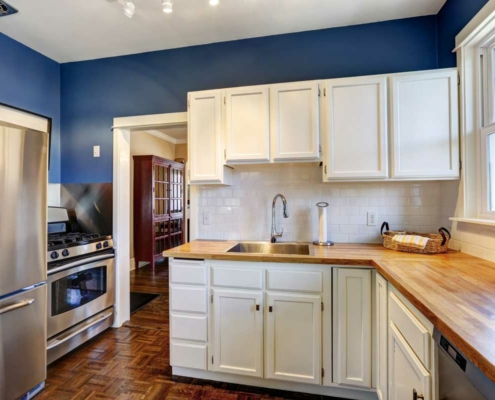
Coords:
pixel 123 128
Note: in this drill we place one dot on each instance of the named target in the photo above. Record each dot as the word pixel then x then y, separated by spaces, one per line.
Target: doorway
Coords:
pixel 143 130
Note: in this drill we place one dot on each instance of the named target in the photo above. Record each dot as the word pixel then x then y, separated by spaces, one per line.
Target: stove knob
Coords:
pixel 54 255
pixel 65 253
pixel 98 246
pixel 105 244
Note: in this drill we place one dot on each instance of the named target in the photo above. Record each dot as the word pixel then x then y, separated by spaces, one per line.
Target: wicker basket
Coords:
pixel 438 243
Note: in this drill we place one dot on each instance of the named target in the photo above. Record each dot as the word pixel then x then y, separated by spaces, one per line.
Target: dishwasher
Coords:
pixel 459 378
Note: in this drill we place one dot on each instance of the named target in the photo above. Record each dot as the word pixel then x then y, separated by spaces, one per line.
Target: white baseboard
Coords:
pixel 132 264
pixel 337 391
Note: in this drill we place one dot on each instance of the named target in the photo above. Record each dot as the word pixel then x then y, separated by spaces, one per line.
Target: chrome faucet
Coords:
pixel 276 234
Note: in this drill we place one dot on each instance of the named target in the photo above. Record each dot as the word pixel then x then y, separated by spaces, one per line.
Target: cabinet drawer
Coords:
pixel 297 281
pixel 237 278
pixel 189 272
pixel 189 299
pixel 186 327
pixel 188 355
pixel 413 331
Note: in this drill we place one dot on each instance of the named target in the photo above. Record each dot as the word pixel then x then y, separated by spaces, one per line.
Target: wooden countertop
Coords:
pixel 455 291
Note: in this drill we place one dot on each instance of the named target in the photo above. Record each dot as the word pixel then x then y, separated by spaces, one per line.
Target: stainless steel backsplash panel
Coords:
pixel 90 205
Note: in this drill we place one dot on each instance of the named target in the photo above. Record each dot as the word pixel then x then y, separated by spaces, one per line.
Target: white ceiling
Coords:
pixel 75 30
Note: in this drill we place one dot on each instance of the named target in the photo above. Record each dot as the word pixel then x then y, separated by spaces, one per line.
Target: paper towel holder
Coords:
pixel 321 206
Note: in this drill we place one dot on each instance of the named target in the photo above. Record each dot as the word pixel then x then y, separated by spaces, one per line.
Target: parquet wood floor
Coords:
pixel 132 362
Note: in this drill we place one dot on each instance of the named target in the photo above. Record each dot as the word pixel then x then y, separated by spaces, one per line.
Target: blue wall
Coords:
pixel 31 81
pixel 454 16
pixel 94 92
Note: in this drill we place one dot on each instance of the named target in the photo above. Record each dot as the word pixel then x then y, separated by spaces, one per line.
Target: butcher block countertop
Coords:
pixel 455 291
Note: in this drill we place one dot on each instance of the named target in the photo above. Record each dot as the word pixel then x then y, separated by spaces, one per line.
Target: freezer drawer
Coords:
pixel 22 342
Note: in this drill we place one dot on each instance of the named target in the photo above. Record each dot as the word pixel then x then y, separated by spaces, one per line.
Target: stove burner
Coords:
pixel 76 237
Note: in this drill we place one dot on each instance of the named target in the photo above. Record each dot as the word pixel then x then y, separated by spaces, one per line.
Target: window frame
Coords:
pixel 486 126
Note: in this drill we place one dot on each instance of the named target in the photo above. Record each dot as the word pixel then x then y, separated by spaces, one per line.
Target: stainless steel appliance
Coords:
pixel 81 285
pixel 23 191
pixel 459 378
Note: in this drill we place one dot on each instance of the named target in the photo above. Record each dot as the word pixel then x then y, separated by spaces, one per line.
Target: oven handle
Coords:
pixel 16 306
pixel 58 342
pixel 80 262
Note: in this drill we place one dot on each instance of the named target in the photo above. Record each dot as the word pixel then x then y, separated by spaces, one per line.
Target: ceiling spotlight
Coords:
pixel 214 2
pixel 167 6
pixel 129 8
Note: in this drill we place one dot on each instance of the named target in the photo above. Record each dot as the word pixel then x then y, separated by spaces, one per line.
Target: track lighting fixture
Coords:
pixel 167 6
pixel 129 8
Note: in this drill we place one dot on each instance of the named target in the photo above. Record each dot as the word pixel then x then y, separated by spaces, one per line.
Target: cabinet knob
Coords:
pixel 417 396
pixel 257 307
pixel 270 309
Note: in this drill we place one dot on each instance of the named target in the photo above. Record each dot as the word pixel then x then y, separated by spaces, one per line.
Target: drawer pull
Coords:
pixel 257 307
pixel 417 396
pixel 270 309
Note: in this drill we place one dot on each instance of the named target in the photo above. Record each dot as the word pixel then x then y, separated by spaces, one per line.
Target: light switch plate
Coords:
pixel 371 218
pixel 96 151
pixel 206 218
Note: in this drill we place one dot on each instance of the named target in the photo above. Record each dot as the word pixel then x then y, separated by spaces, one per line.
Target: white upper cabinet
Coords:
pixel 294 115
pixel 205 138
pixel 424 124
pixel 293 343
pixel 356 128
pixel 247 125
pixel 352 327
pixel 237 332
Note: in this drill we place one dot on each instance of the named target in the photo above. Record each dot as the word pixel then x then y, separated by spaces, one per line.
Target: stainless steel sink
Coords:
pixel 272 248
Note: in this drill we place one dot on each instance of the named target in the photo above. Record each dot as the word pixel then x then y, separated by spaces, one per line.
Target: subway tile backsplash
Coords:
pixel 243 211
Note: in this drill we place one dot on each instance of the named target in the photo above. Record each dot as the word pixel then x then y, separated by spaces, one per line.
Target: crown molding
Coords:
pixel 166 137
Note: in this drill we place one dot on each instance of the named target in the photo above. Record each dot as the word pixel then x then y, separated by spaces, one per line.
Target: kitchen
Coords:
pixel 369 114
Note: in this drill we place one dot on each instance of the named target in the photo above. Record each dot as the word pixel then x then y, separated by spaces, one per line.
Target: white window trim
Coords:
pixel 478 34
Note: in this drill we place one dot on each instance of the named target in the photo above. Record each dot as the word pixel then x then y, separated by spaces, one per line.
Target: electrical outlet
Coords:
pixel 96 151
pixel 371 218
pixel 206 218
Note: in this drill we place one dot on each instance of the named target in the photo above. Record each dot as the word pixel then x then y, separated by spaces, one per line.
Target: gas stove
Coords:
pixel 67 245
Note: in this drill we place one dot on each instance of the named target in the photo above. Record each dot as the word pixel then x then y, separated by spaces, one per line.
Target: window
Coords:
pixel 487 130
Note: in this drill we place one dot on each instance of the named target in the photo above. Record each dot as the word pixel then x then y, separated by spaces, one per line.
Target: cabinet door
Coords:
pixel 406 373
pixel 352 327
pixel 293 342
pixel 294 118
pixel 356 128
pixel 237 332
pixel 381 336
pixel 205 137
pixel 247 124
pixel 425 138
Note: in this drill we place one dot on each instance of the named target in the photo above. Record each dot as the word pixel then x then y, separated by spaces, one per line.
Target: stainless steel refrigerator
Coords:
pixel 23 209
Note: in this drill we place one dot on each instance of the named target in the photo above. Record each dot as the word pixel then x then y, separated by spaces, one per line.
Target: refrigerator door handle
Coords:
pixel 16 306
pixel 58 342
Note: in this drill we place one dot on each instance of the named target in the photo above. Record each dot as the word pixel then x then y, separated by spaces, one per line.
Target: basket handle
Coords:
pixel 441 231
pixel 384 225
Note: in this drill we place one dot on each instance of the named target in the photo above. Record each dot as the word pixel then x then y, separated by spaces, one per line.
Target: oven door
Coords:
pixel 79 290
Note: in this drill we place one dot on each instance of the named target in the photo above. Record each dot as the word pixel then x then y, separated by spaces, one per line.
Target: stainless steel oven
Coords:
pixel 81 296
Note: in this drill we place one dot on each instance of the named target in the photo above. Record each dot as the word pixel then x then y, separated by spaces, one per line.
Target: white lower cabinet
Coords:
pixel 293 337
pixel 406 373
pixel 352 327
pixel 381 337
pixel 317 328
pixel 237 332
